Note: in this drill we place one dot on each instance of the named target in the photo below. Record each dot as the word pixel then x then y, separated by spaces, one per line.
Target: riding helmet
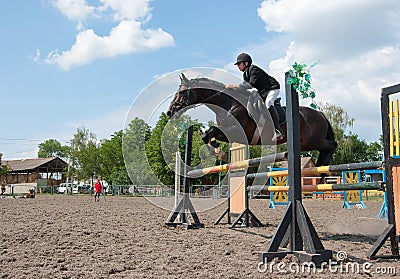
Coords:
pixel 243 57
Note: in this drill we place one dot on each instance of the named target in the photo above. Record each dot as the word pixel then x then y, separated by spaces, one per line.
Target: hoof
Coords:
pixel 322 178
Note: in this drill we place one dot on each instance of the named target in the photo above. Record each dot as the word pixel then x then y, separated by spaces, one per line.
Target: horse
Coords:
pixel 237 122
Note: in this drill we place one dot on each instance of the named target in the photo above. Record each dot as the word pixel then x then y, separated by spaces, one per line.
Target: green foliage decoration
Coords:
pixel 300 79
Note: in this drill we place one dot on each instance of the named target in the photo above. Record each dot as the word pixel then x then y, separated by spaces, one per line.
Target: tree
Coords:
pixel 374 151
pixel 168 137
pixel 84 154
pixel 3 168
pixel 201 156
pixel 350 147
pixel 340 122
pixel 112 166
pixel 158 143
pixel 339 119
pixel 133 147
pixel 52 148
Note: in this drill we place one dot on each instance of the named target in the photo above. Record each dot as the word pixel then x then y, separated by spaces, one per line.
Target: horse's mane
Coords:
pixel 207 81
pixel 219 86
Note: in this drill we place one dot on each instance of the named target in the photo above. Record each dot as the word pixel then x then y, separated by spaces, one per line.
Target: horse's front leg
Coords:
pixel 209 138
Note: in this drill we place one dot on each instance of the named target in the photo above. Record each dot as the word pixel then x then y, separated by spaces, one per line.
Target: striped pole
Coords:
pixel 240 164
pixel 377 185
pixel 320 170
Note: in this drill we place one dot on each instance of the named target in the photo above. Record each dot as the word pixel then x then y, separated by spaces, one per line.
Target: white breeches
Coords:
pixel 271 97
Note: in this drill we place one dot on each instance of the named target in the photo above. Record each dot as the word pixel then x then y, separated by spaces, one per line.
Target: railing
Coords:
pixel 196 191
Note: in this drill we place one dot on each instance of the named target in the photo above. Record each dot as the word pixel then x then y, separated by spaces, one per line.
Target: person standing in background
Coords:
pixel 97 190
pixel 3 187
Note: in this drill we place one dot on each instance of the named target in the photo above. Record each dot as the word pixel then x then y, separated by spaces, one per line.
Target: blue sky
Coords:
pixel 73 63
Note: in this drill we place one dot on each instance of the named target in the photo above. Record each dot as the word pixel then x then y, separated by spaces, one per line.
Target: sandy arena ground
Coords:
pixel 65 236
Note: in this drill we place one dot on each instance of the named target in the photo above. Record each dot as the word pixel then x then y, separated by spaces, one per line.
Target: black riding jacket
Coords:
pixel 259 79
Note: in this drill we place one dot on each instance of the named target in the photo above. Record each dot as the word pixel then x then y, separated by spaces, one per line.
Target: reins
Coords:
pixel 186 101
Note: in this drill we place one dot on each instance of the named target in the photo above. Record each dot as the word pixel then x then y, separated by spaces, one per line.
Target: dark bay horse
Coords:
pixel 237 122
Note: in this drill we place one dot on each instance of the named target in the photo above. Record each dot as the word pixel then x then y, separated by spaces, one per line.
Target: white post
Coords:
pixel 66 184
pixel 177 176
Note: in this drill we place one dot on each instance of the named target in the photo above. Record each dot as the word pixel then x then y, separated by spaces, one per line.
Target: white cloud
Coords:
pixel 335 28
pixel 126 37
pixel 76 10
pixel 128 10
pixel 356 42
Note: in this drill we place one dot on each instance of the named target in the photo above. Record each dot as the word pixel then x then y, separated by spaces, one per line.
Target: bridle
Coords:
pixel 187 95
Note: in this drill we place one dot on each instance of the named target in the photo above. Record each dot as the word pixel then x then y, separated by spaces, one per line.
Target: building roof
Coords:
pixel 51 164
pixel 306 162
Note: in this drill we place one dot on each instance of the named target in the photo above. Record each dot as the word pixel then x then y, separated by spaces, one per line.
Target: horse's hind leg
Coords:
pixel 322 161
pixel 324 157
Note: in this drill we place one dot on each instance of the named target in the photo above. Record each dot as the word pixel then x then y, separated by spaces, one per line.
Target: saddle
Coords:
pixel 256 107
pixel 257 110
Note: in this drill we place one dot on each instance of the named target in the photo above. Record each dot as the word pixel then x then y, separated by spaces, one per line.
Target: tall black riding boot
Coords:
pixel 275 119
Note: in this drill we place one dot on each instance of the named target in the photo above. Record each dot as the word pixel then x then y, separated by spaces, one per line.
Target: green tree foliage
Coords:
pixel 374 151
pixel 350 148
pixel 111 161
pixel 354 149
pixel 85 159
pixel 168 137
pixel 52 148
pixel 201 156
pixel 134 144
pixel 339 119
pixel 3 168
pixel 148 155
pixel 154 150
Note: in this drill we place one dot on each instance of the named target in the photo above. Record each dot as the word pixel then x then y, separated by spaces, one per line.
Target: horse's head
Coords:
pixel 183 98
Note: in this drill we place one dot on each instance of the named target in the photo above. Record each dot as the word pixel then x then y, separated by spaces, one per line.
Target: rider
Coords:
pixel 267 86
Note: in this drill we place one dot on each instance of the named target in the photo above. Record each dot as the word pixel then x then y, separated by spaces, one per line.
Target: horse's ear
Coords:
pixel 183 78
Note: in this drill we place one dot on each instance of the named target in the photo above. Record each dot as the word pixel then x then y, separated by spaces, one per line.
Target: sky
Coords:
pixel 67 64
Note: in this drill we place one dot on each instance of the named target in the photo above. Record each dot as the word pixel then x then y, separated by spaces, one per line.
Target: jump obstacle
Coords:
pixel 350 198
pixel 185 207
pixel 333 187
pixel 320 170
pixel 240 164
pixel 296 227
pixel 391 143
pixel 295 233
pixel 238 198
pixel 350 191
